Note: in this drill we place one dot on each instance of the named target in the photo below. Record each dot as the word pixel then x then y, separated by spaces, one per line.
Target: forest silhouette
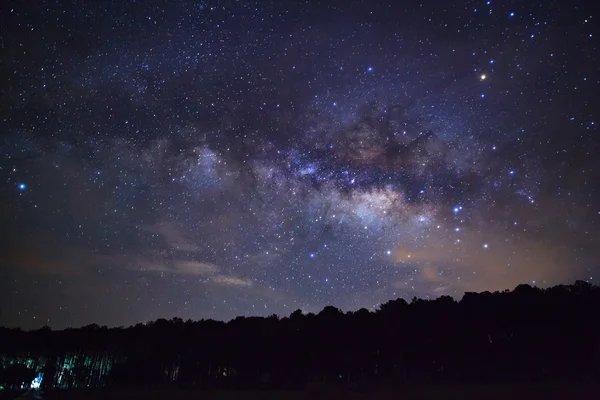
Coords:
pixel 528 334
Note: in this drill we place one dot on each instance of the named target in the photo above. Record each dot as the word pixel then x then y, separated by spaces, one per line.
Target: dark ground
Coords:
pixel 529 392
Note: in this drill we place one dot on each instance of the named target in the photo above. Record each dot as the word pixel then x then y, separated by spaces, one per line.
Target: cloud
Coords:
pixel 172 236
pixel 229 280
pixel 196 268
pixel 211 272
pixel 45 261
pixel 488 262
pixel 430 273
pixel 177 267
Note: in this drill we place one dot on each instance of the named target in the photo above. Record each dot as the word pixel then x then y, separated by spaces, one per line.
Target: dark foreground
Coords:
pixel 450 348
pixel 529 392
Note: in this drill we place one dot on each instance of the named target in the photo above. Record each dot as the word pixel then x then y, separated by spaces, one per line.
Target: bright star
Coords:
pixel 22 186
pixel 370 69
pixel 483 77
pixel 485 245
pixel 388 252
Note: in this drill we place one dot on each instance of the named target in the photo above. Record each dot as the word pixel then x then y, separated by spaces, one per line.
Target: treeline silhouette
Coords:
pixel 528 334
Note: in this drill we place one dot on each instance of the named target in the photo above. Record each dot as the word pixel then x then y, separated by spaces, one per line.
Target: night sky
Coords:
pixel 208 159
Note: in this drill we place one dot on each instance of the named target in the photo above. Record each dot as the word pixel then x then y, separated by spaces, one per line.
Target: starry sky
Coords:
pixel 208 159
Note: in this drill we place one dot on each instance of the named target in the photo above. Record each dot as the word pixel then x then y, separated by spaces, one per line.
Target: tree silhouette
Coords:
pixel 528 334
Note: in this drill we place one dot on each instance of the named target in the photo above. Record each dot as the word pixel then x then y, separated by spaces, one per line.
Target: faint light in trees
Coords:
pixel 37 381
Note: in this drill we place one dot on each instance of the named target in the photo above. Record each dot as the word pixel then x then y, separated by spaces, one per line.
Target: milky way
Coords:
pixel 213 159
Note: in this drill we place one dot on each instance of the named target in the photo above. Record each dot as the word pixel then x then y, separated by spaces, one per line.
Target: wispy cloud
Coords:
pixel 229 280
pixel 176 267
pixel 173 237
pixel 196 268
pixel 211 272
pixel 479 264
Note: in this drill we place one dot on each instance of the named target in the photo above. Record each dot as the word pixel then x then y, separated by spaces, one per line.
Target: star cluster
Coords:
pixel 212 159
